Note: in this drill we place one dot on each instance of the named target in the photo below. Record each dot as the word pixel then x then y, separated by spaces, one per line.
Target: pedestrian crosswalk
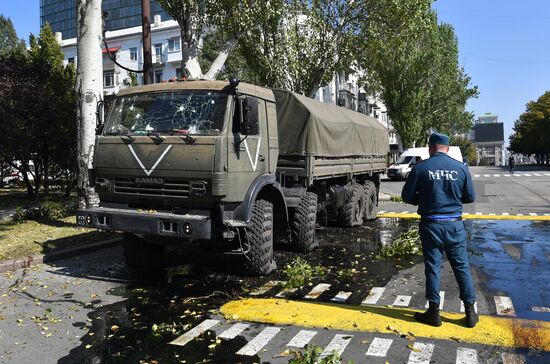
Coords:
pixel 274 339
pixel 497 175
pixel 503 305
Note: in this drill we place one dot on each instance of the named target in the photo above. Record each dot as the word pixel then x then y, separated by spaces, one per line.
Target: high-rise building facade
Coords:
pixel 121 14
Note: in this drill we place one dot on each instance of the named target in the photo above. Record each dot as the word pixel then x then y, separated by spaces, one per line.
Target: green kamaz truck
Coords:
pixel 231 166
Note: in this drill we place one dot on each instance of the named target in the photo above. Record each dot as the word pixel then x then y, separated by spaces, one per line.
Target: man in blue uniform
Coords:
pixel 439 186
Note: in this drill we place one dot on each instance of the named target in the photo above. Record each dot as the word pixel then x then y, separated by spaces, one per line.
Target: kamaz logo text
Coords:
pixel 441 174
pixel 149 181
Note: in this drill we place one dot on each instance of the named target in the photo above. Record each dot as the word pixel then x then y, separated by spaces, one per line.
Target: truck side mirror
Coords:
pixel 99 117
pixel 250 124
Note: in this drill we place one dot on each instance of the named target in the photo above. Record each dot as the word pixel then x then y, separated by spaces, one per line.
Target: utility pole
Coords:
pixel 89 94
pixel 146 30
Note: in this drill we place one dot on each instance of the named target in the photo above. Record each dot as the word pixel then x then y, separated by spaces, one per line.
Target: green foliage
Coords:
pixel 467 148
pixel 312 355
pixel 299 273
pixel 396 198
pixel 412 62
pixel 532 129
pixel 407 243
pixel 38 110
pixel 8 36
pixel 48 210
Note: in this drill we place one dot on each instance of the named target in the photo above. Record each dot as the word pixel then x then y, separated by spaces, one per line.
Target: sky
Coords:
pixel 503 45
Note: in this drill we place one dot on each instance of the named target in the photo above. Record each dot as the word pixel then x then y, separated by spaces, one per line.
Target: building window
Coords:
pixel 178 73
pixel 108 79
pixel 70 60
pixel 133 54
pixel 158 53
pixel 158 76
pixel 174 44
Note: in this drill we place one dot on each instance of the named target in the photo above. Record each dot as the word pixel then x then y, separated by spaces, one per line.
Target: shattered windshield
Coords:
pixel 170 112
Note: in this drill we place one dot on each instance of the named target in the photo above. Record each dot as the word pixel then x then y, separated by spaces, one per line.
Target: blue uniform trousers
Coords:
pixel 449 237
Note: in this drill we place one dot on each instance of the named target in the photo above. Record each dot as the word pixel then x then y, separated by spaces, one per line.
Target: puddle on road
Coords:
pixel 159 308
pixel 513 257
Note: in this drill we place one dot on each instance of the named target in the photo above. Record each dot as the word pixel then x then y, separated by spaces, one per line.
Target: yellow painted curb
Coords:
pixel 489 331
pixel 469 216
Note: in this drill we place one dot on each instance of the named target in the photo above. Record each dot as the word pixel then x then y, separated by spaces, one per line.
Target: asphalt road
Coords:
pixel 524 192
pixel 91 309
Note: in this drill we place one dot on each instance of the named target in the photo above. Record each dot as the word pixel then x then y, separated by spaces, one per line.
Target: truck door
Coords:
pixel 248 155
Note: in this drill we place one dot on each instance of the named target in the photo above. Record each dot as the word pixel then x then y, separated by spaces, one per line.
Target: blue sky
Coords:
pixel 503 47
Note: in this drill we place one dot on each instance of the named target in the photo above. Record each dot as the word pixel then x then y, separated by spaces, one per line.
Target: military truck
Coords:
pixel 231 166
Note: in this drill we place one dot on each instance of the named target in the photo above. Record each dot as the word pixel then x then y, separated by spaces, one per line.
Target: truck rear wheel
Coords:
pixel 303 223
pixel 352 213
pixel 139 254
pixel 370 198
pixel 258 239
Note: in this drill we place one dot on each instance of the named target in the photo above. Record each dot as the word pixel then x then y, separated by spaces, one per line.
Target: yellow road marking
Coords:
pixel 468 216
pixel 489 331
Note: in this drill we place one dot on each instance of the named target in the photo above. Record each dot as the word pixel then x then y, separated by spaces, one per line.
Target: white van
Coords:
pixel 402 167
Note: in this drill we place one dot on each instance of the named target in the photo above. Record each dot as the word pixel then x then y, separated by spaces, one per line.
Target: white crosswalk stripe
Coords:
pixel 547 174
pixel 194 332
pixel 504 306
pixel 466 356
pixel 405 212
pixel 382 212
pixel 496 175
pixel 317 291
pixel 302 338
pixel 527 175
pixel 337 344
pixel 508 358
pixel 402 301
pixel 233 331
pixel 379 347
pixel 507 175
pixel 421 353
pixel 441 302
pixel 476 175
pixel 258 342
pixel 505 214
pixel 540 309
pixel 486 175
pixel 266 287
pixel 537 174
pixel 341 296
pixel 532 214
pixel 374 295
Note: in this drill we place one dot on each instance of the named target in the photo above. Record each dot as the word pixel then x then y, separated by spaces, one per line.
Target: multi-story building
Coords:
pixel 119 14
pixel 488 137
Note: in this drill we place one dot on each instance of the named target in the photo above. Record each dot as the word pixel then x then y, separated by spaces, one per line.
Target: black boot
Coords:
pixel 471 315
pixel 431 316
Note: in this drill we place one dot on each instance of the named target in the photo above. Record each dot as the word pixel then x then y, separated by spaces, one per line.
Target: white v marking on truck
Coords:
pixel 255 163
pixel 148 172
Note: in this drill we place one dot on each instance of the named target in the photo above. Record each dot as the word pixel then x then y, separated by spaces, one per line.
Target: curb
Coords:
pixel 14 264
pixel 383 196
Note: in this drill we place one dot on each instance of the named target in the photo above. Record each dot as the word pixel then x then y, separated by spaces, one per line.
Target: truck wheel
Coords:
pixel 370 198
pixel 139 254
pixel 258 240
pixel 354 210
pixel 303 223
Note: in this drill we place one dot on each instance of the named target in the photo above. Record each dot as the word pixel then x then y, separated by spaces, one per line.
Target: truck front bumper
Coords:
pixel 193 225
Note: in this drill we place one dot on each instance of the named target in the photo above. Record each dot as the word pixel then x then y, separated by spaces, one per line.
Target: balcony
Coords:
pixel 173 57
pixel 158 59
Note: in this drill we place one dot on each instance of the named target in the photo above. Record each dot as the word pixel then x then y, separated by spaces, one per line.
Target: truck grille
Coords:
pixel 168 189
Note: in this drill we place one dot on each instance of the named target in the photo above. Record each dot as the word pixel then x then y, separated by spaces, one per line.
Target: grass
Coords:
pixel 13 198
pixel 30 237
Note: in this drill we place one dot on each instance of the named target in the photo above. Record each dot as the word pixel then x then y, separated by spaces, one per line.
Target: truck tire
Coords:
pixel 371 200
pixel 259 239
pixel 352 213
pixel 139 254
pixel 303 223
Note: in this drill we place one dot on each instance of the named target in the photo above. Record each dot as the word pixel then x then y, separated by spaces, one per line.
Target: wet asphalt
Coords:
pixel 92 309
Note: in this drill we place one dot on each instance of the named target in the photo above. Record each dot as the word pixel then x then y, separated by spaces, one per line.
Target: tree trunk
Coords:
pixel 220 60
pixel 89 91
pixel 190 46
pixel 46 170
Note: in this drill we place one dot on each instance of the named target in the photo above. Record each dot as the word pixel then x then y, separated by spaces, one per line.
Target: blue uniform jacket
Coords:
pixel 439 186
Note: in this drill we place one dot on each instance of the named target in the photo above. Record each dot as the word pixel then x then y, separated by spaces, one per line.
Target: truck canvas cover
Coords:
pixel 307 126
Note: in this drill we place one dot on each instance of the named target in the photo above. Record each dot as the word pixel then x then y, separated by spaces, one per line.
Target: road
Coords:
pixel 91 309
pixel 527 191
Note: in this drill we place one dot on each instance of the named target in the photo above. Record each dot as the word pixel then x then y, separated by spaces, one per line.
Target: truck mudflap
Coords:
pixel 193 225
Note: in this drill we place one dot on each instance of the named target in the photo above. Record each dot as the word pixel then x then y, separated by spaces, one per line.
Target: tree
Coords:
pixel 532 129
pixel 89 94
pixel 412 62
pixel 467 148
pixel 8 36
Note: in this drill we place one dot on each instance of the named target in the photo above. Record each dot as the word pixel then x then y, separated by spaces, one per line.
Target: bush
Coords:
pixel 396 198
pixel 48 210
pixel 300 273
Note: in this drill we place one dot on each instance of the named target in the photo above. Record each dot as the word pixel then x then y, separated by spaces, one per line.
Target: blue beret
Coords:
pixel 439 138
